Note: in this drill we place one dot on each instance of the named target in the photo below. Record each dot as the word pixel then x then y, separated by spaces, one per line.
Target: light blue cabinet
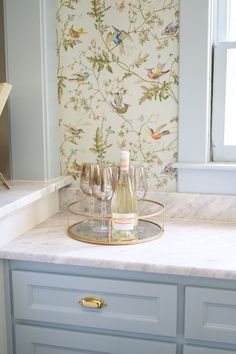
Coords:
pixel 214 314
pixel 203 350
pixel 36 340
pixel 129 306
pixel 137 313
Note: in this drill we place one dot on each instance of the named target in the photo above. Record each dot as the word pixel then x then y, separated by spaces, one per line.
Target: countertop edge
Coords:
pixel 218 274
pixel 43 189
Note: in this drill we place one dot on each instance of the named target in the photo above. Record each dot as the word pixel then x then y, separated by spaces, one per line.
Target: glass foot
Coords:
pixel 100 229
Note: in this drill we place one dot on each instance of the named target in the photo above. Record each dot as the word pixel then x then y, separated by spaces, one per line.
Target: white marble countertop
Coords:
pixel 23 193
pixel 201 249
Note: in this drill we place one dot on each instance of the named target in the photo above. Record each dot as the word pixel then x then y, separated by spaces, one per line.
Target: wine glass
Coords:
pixel 102 189
pixel 138 180
pixel 139 183
pixel 85 184
pixel 86 187
pixel 115 170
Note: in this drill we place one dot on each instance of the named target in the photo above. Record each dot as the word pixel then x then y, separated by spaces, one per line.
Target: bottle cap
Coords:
pixel 124 154
pixel 124 160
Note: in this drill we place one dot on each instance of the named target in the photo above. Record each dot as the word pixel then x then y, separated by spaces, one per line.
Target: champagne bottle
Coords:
pixel 124 206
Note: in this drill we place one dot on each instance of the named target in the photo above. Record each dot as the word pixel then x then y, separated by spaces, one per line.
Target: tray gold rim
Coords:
pixel 148 216
pixel 115 243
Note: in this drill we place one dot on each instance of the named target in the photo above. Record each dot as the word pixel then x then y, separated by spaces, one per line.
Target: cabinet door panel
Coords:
pixel 188 349
pixel 132 306
pixel 38 340
pixel 210 314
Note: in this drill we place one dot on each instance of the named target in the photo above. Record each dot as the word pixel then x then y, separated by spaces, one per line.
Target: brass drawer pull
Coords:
pixel 92 302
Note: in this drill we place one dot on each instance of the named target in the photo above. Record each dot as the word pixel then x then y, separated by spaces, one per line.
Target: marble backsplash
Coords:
pixel 178 205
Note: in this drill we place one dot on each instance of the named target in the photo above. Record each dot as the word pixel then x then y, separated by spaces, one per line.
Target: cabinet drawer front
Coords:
pixel 35 340
pixel 188 349
pixel 131 306
pixel 210 314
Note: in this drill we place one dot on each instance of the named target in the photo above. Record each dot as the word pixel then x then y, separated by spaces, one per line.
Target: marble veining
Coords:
pixel 185 206
pixel 23 193
pixel 201 249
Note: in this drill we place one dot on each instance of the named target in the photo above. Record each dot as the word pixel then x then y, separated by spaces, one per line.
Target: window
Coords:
pixel 197 172
pixel 224 95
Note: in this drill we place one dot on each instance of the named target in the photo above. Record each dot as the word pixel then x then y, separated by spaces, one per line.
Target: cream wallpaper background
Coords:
pixel 118 84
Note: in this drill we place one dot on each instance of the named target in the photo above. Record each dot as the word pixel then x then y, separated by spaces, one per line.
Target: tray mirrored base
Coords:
pixel 91 231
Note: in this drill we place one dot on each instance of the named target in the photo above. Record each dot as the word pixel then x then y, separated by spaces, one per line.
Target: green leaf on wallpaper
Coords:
pixel 101 144
pixel 177 14
pixel 153 18
pixel 126 75
pixel 84 104
pixel 70 3
pixel 158 90
pixel 166 43
pixel 98 10
pixel 114 57
pixel 175 78
pixel 109 69
pixel 60 87
pixel 70 43
pixel 143 36
pixel 101 61
pixel 149 93
pixel 141 59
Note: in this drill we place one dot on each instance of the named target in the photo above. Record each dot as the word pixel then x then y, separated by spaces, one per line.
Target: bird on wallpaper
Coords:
pixel 170 29
pixel 117 37
pixel 120 5
pixel 120 109
pixel 73 131
pixel 80 78
pixel 157 133
pixel 75 34
pixel 155 74
pixel 118 104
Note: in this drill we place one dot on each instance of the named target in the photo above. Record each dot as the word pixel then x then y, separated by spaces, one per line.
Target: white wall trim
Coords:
pixel 30 37
pixel 195 80
pixel 207 181
pixel 212 166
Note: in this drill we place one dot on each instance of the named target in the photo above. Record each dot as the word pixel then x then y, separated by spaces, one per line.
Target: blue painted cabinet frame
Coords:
pixel 144 312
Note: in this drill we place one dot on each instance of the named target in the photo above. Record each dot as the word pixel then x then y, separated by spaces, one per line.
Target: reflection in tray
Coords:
pixel 83 227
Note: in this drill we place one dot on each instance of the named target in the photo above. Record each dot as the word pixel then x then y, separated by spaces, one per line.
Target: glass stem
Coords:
pixel 104 213
pixel 91 209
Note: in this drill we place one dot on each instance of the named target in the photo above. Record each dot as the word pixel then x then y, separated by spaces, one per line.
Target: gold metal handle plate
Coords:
pixel 92 302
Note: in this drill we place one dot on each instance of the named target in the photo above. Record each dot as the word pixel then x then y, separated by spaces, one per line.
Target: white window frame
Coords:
pixel 221 152
pixel 196 172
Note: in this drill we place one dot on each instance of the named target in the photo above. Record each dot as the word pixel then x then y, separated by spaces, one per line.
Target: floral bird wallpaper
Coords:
pixel 118 84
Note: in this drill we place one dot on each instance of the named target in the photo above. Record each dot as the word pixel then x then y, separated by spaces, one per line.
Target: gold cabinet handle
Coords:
pixel 92 302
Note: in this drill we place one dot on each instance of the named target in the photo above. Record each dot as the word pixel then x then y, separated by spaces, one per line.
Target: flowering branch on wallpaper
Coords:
pixel 118 83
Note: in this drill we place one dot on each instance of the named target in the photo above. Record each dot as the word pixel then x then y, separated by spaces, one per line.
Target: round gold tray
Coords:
pixel 83 226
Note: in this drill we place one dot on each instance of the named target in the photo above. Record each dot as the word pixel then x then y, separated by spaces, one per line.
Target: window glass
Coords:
pixel 230 99
pixel 232 21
